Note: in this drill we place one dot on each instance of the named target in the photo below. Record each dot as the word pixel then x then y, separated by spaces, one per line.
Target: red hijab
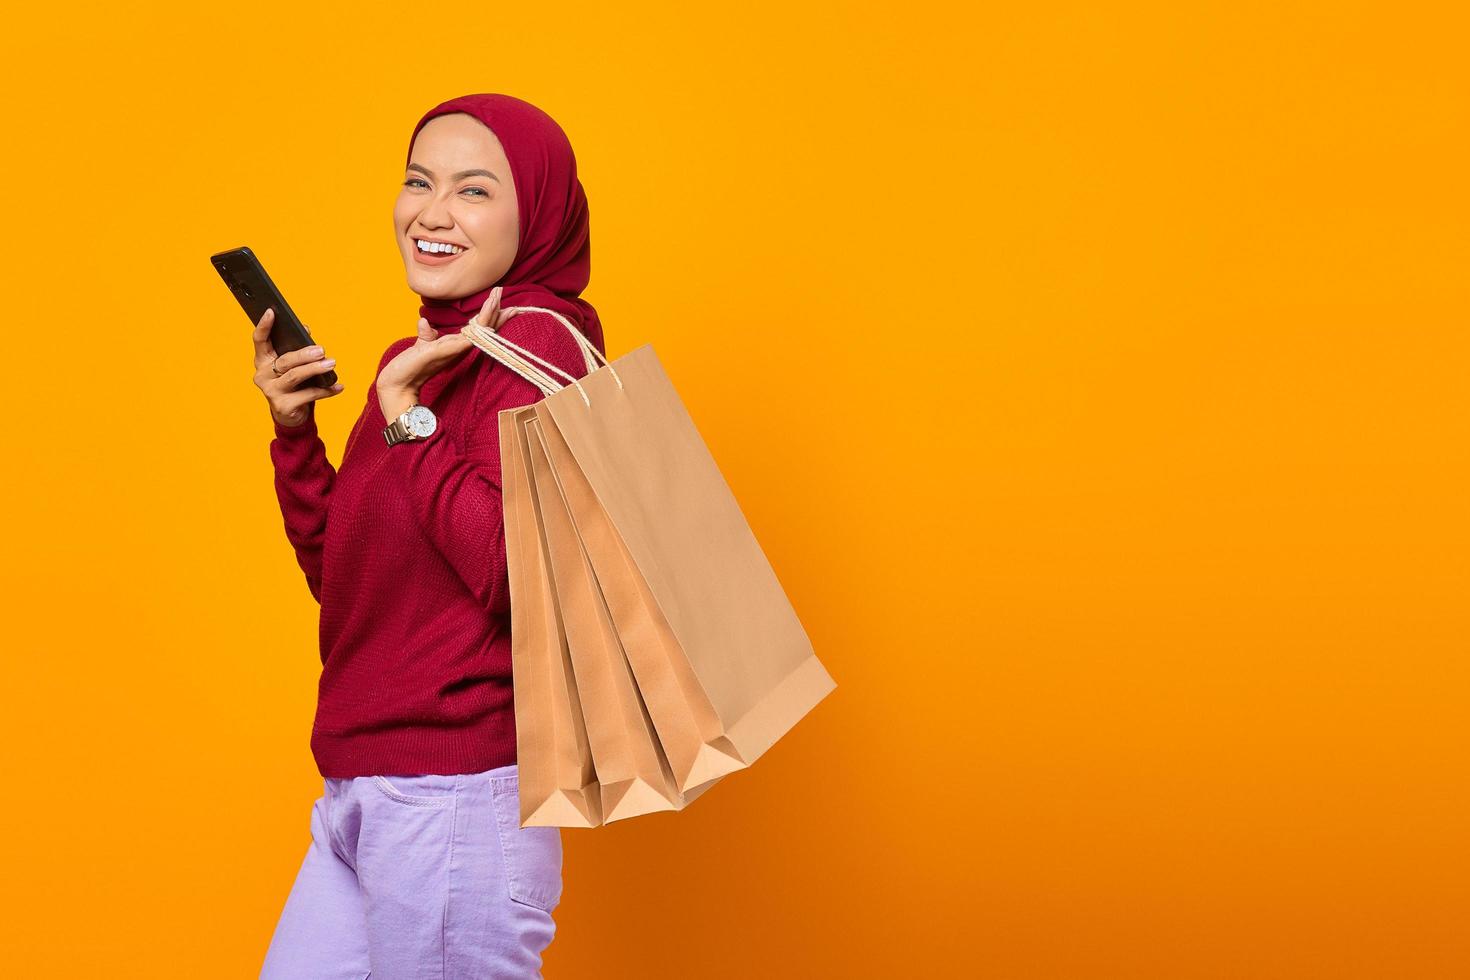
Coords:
pixel 554 254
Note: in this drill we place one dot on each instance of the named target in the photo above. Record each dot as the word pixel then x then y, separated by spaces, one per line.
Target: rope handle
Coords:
pixel 515 357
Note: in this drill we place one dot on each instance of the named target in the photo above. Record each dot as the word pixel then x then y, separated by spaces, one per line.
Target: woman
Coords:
pixel 418 865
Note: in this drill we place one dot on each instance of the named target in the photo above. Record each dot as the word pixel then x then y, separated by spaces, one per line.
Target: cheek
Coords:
pixel 495 233
pixel 401 217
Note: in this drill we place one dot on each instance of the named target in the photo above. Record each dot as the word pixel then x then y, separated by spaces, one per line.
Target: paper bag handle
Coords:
pixel 500 349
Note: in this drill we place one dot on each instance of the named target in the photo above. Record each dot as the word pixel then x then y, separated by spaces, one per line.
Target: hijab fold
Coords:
pixel 554 251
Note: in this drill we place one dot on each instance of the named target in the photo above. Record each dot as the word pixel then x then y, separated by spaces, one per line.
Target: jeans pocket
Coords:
pixel 426 790
pixel 532 855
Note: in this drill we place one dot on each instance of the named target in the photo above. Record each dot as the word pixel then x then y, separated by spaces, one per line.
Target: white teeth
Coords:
pixel 433 247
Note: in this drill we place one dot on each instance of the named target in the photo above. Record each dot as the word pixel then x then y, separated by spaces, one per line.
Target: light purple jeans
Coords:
pixel 420 877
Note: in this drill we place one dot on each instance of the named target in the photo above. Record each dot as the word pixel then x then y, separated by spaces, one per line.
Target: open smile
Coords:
pixel 436 251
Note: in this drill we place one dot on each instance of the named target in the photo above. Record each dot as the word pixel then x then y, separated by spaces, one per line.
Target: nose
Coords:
pixel 436 214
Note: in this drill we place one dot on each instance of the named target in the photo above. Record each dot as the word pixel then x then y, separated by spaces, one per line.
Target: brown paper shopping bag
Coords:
pixel 550 621
pixel 688 725
pixel 632 770
pixel 558 785
pixel 721 662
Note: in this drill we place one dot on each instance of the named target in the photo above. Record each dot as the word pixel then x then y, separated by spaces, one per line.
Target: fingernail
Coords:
pixel 330 361
pixel 314 350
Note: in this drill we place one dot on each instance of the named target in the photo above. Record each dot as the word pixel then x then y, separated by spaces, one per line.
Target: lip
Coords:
pixel 442 259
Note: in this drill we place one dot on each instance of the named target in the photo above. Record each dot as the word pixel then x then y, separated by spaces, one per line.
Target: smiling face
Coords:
pixel 457 191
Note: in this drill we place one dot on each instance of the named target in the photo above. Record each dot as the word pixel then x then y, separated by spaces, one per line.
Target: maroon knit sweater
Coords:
pixel 404 548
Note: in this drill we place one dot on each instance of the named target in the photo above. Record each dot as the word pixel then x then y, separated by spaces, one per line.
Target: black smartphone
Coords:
pixel 247 279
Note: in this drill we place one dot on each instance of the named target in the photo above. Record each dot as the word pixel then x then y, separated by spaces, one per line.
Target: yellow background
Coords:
pixel 1092 375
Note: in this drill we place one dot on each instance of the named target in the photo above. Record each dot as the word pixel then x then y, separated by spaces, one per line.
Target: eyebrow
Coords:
pixel 459 176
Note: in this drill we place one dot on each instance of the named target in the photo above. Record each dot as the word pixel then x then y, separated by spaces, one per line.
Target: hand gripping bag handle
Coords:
pixel 516 357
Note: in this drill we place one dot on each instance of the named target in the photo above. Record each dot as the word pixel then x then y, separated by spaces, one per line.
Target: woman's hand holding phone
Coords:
pixel 287 397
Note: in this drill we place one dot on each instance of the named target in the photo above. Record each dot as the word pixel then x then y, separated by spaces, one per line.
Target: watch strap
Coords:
pixel 397 430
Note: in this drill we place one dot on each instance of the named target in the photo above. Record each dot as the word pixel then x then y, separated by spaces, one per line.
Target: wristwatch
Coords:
pixel 415 424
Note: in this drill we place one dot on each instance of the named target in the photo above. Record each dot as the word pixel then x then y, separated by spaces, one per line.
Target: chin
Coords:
pixel 433 287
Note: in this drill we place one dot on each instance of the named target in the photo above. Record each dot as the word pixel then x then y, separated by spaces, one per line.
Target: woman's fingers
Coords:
pixel 290 408
pixel 295 369
pixel 309 393
pixel 449 348
pixel 424 362
pixel 413 366
pixel 486 317
pixel 295 358
pixel 281 378
pixel 261 337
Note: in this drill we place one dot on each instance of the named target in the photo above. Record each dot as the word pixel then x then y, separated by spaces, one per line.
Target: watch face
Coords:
pixel 421 422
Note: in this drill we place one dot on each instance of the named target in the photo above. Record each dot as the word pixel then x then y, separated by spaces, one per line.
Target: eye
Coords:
pixel 413 180
pixel 481 191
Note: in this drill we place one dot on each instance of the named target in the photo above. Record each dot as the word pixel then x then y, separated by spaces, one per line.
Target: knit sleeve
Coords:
pixel 303 479
pixel 454 483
